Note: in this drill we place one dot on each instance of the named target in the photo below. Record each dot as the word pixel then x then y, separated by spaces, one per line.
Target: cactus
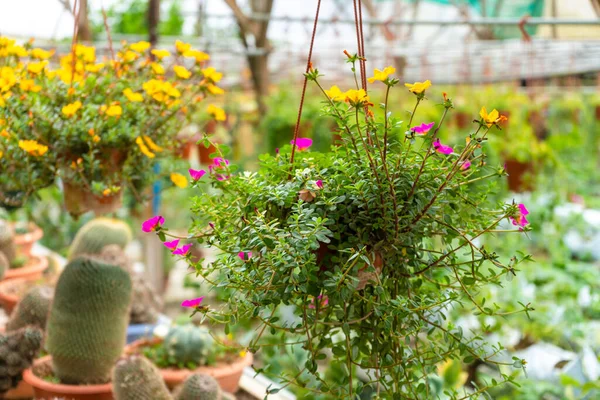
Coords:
pixel 4 265
pixel 17 350
pixel 7 242
pixel 136 378
pixel 198 387
pixel 189 345
pixel 87 326
pixel 32 309
pixel 94 236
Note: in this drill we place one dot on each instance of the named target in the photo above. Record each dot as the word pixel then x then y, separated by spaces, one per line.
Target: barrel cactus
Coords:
pixel 136 378
pixel 198 387
pixel 32 309
pixel 189 345
pixel 94 236
pixel 7 241
pixel 87 326
pixel 17 351
pixel 4 265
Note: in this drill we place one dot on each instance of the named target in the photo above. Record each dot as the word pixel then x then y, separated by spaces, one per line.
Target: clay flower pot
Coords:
pixel 32 270
pixel 228 375
pixel 23 389
pixel 45 390
pixel 79 200
pixel 516 175
pixel 8 297
pixel 25 241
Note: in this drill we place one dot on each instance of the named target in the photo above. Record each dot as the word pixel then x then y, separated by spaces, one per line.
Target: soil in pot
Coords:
pixel 11 291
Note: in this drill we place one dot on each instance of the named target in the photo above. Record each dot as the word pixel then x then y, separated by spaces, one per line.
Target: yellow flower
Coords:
pixel 356 97
pixel 41 54
pixel 243 353
pixel 18 51
pixel 70 109
pixel 33 147
pixel 160 54
pixel 157 69
pixel 335 94
pixel 153 146
pixel 418 87
pixel 95 138
pixel 171 90
pixel 28 85
pixel 1 154
pixel 213 89
pixel 4 133
pixel 198 55
pixel 106 192
pixel 140 47
pixel 179 180
pixel 143 148
pixel 182 47
pixel 36 67
pixel 217 113
pixel 133 97
pixel 381 75
pixel 85 53
pixel 212 75
pixel 491 118
pixel 128 56
pixel 182 72
pixel 114 110
pixel 94 67
pixel 7 79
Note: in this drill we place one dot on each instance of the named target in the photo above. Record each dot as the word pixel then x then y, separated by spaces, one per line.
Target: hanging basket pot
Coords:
pixel 79 200
pixel 517 174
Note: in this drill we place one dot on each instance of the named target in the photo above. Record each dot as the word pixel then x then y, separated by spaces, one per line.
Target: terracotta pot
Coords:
pixel 33 270
pixel 79 200
pixel 204 153
pixel 22 391
pixel 45 390
pixel 8 300
pixel 25 242
pixel 597 112
pixel 516 175
pixel 462 120
pixel 227 375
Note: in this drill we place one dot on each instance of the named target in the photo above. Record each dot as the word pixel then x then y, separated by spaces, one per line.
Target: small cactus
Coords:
pixel 32 309
pixel 136 378
pixel 189 345
pixel 4 265
pixel 198 387
pixel 94 236
pixel 7 241
pixel 87 326
pixel 17 351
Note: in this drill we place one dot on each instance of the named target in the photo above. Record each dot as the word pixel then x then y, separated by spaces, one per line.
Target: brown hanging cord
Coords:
pixel 359 45
pixel 308 68
pixel 363 61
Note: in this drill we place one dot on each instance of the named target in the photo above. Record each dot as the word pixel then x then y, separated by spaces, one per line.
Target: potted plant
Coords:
pixel 18 348
pixel 189 349
pixel 26 235
pixel 369 244
pixel 13 263
pixel 98 125
pixel 85 333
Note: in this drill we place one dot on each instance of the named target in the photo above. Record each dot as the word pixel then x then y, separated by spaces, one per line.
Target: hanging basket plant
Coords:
pixel 98 125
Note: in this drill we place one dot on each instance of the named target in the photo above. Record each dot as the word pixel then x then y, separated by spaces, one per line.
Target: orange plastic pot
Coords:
pixel 44 390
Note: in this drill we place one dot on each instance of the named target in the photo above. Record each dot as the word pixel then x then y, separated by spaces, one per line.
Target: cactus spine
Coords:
pixel 87 326
pixel 7 242
pixel 94 236
pixel 136 378
pixel 198 387
pixel 189 345
pixel 32 309
pixel 17 350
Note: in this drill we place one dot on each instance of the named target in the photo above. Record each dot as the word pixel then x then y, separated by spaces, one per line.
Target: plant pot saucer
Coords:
pixel 34 269
pixel 45 390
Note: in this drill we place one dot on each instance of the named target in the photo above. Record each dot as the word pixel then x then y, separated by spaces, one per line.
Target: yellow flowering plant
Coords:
pixel 97 123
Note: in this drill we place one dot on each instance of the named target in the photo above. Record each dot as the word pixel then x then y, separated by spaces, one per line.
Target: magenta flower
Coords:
pixel 323 301
pixel 465 165
pixel 220 162
pixel 442 149
pixel 183 250
pixel 520 219
pixel 319 184
pixel 221 177
pixel 196 174
pixel 245 256
pixel 423 128
pixel 172 244
pixel 302 143
pixel 152 223
pixel 192 303
pixel 277 151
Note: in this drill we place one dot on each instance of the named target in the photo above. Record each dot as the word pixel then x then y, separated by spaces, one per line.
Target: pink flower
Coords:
pixel 323 301
pixel 423 128
pixel 196 174
pixel 220 162
pixel 302 143
pixel 465 165
pixel 440 148
pixel 183 250
pixel 152 223
pixel 520 219
pixel 172 244
pixel 221 177
pixel 245 256
pixel 319 184
pixel 192 303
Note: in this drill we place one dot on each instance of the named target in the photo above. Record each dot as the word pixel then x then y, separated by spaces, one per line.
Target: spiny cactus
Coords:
pixel 17 350
pixel 94 236
pixel 4 265
pixel 87 326
pixel 198 387
pixel 7 241
pixel 136 378
pixel 32 309
pixel 189 344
